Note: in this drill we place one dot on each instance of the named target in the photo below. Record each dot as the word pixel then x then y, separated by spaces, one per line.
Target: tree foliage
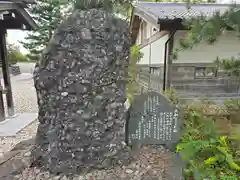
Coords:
pixel 48 14
pixel 209 154
pixel 230 65
pixel 106 4
pixel 210 144
pixel 15 55
pixel 133 72
pixel 203 29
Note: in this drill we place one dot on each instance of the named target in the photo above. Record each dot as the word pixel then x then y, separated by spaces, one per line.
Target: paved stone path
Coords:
pixel 24 94
pixel 24 97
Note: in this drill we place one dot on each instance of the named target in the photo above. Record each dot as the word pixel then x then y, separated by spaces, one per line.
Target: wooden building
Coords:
pixel 13 15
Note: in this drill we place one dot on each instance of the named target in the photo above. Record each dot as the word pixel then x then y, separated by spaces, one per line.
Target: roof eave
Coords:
pixel 23 3
pixel 132 18
pixel 170 24
pixel 25 17
pixel 28 21
pixel 147 16
pixel 134 26
pixel 4 6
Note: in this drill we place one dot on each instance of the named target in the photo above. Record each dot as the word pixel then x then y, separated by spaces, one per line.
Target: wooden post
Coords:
pixel 5 71
pixel 2 112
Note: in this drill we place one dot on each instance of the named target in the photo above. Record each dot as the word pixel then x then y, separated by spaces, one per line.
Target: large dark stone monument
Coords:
pixel 153 120
pixel 80 83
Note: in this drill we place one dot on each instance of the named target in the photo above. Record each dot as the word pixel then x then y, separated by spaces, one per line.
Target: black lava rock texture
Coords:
pixel 80 82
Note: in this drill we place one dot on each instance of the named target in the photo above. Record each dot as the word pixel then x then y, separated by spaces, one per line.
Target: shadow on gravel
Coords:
pixel 14 161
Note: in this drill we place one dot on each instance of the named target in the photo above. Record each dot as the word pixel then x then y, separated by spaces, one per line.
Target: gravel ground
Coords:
pixel 24 94
pixel 7 143
pixel 24 98
pixel 149 164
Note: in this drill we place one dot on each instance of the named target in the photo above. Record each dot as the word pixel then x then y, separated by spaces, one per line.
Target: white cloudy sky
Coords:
pixel 17 35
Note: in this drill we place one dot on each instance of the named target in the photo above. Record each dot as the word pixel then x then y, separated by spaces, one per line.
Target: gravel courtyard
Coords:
pixel 24 97
pixel 149 163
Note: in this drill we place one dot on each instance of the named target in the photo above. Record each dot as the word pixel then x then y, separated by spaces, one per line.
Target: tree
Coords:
pixel 208 30
pixel 202 29
pixel 48 15
pixel 15 55
pixel 133 72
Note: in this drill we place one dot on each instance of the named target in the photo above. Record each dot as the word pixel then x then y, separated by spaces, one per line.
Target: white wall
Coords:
pixel 146 55
pixel 154 52
pixel 147 31
pixel 228 1
pixel 226 46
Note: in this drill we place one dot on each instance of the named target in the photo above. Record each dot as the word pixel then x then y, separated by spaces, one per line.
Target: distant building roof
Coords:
pixel 179 10
pixel 167 15
pixel 23 1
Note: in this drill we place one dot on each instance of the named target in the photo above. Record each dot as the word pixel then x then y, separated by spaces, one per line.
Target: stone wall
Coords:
pixel 190 79
pixel 15 70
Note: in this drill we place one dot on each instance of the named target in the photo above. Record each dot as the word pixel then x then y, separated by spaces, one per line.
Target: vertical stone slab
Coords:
pixel 153 120
pixel 80 83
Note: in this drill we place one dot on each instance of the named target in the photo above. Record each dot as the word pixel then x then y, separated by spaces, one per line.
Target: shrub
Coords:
pixel 14 54
pixel 171 95
pixel 133 72
pixel 15 57
pixel 208 154
pixel 209 139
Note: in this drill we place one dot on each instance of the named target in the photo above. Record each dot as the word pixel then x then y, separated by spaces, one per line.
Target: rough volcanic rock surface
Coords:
pixel 80 83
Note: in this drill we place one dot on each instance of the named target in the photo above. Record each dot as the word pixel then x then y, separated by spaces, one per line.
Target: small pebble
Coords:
pixel 148 167
pixel 129 171
pixel 64 93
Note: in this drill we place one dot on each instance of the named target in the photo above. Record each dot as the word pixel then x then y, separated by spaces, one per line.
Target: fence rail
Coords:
pixel 208 87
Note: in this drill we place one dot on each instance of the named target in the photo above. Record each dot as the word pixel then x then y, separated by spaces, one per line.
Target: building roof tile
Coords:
pixel 180 10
